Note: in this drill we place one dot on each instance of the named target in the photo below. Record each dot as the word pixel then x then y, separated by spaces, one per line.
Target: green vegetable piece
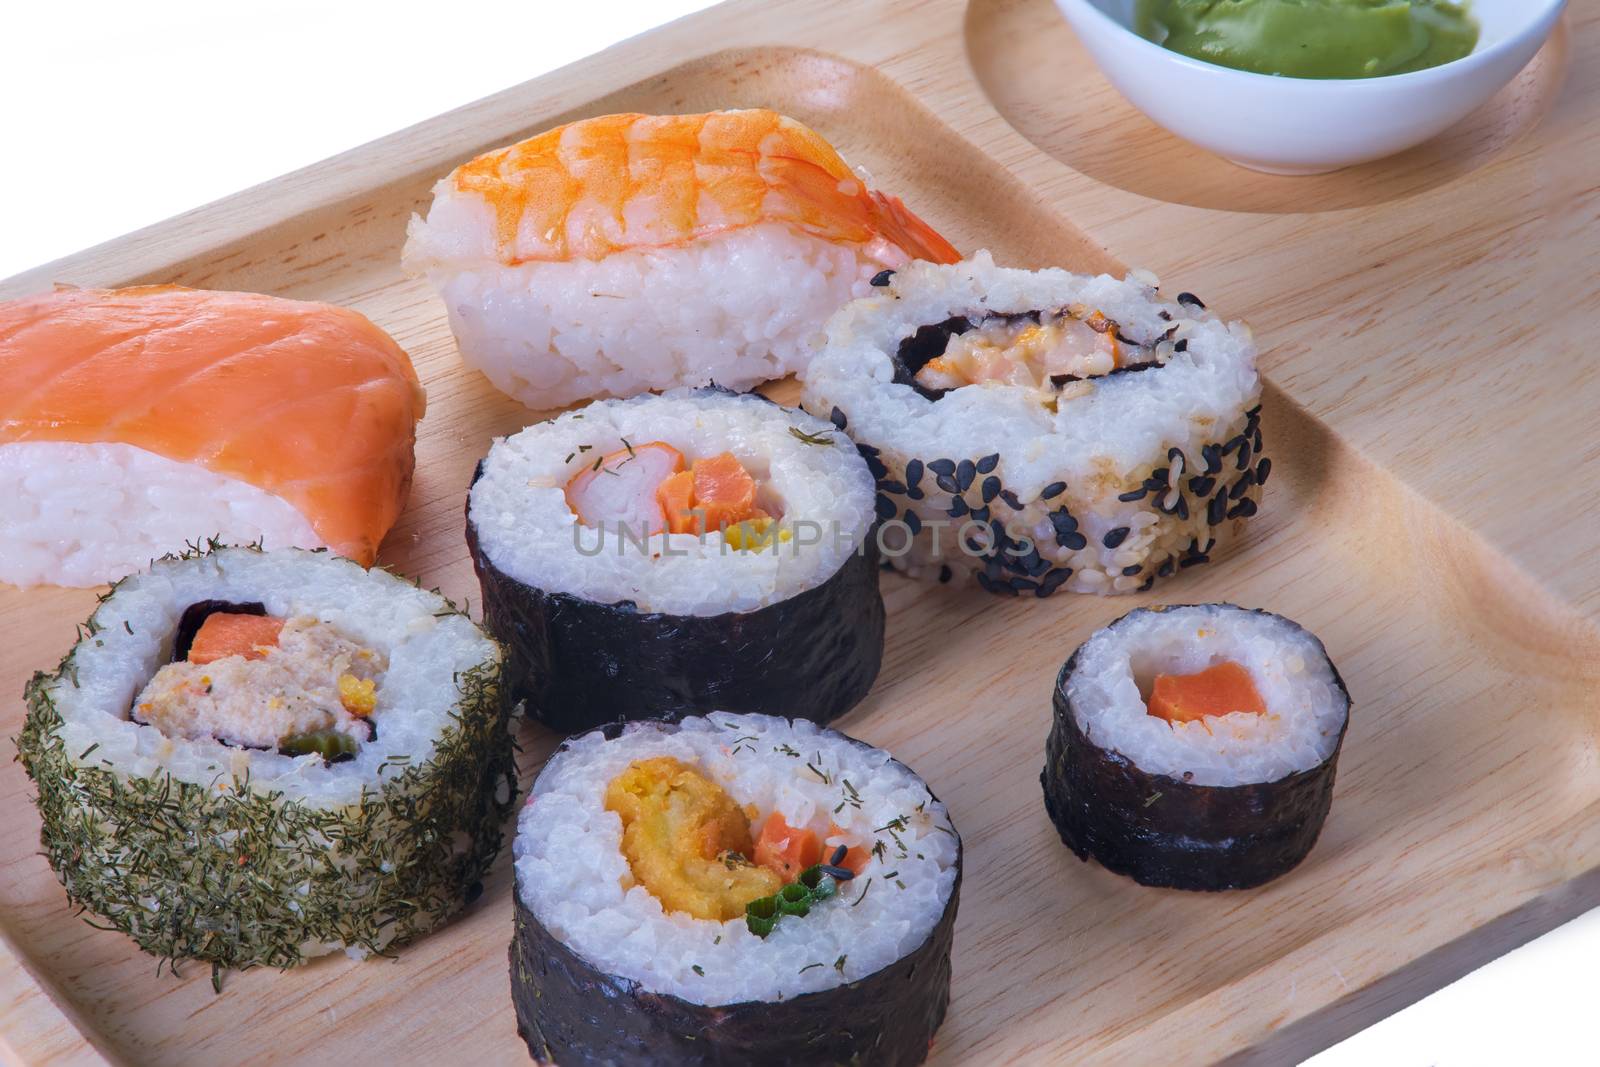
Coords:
pixel 761 915
pixel 331 745
pixel 794 899
pixel 822 886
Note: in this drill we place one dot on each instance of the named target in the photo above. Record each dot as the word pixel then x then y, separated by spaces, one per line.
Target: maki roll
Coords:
pixel 719 242
pixel 731 889
pixel 686 552
pixel 1044 430
pixel 1194 746
pixel 258 757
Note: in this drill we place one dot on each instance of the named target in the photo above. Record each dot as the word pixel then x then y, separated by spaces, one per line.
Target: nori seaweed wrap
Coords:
pixel 1145 778
pixel 603 973
pixel 607 615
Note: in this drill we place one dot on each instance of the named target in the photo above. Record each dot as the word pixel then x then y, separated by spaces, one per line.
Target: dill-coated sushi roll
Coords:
pixel 259 757
pixel 1044 430
pixel 731 889
pixel 686 552
pixel 1195 746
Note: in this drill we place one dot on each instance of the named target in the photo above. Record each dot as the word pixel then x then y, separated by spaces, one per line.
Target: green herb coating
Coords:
pixel 241 878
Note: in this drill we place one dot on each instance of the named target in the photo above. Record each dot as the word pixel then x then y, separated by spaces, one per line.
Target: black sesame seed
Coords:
pixel 1253 412
pixel 869 450
pixel 881 278
pixel 1176 457
pixel 1242 486
pixel 892 486
pixel 988 463
pixel 946 467
pixel 1217 510
pixel 1190 298
pixel 837 418
pixel 1181 345
pixel 913 472
pixel 1243 509
pixel 875 465
pixel 1182 510
pixel 1136 494
pixel 1063 521
pixel 1130 571
pixel 1263 469
pixel 1166 568
pixel 1053 490
pixel 1053 580
pixel 1192 560
pixel 1115 537
pixel 1233 445
pixel 1072 541
pixel 1244 457
pixel 966 470
pixel 1011 499
pixel 1257 441
pixel 913 522
pixel 885 507
pixel 1022 585
pixel 946 483
pixel 1202 484
pixel 991 488
pixel 958 507
pixel 913 493
pixel 945 573
pixel 980 514
pixel 1213 458
pixel 1145 585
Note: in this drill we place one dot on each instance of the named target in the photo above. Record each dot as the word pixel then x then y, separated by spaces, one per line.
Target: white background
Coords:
pixel 120 115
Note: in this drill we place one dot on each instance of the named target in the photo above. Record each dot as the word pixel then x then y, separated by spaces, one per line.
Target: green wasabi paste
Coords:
pixel 1312 38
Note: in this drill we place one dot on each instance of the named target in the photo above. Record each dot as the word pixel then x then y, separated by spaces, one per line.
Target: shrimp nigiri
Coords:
pixel 137 420
pixel 631 252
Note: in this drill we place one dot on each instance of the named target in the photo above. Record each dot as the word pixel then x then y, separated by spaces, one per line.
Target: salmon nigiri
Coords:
pixel 136 420
pixel 631 252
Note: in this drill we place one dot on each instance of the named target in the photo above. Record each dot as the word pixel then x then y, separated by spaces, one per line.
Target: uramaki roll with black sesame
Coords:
pixel 1045 430
pixel 1195 746
pixel 731 889
pixel 258 757
pixel 684 552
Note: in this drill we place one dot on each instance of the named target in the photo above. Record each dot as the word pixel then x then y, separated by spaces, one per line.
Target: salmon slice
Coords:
pixel 225 634
pixel 623 487
pixel 617 182
pixel 309 402
pixel 716 493
pixel 1219 690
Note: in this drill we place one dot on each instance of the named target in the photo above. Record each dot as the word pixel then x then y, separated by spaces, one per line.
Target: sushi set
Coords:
pixel 772 561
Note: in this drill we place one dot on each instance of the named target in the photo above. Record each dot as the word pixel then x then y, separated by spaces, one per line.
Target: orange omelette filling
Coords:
pixel 1215 691
pixel 696 849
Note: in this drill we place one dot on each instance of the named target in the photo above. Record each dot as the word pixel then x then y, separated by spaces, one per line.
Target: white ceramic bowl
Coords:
pixel 1307 125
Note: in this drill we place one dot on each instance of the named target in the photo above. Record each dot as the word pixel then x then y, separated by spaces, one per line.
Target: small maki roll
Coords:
pixel 1044 430
pixel 677 553
pixel 259 757
pixel 731 889
pixel 1194 746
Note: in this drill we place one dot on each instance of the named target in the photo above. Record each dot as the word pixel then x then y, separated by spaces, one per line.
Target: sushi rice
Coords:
pixel 1109 688
pixel 811 475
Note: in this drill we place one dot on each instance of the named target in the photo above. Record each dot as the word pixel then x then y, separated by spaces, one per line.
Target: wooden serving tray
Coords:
pixel 1431 417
